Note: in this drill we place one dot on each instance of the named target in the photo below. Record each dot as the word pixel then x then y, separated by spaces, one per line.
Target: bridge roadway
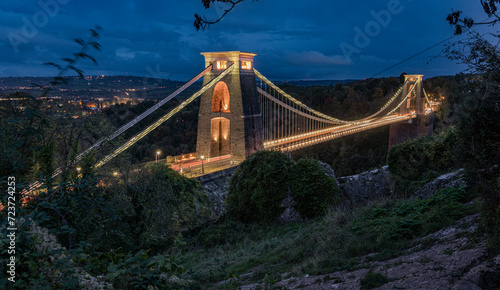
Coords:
pixel 315 137
pixel 194 167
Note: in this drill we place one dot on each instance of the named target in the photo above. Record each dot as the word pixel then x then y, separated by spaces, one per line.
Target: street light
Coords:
pixel 115 173
pixel 157 154
pixel 202 168
pixel 78 169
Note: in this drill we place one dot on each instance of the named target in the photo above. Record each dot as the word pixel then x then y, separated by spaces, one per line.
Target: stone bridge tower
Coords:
pixel 422 125
pixel 229 120
pixel 416 101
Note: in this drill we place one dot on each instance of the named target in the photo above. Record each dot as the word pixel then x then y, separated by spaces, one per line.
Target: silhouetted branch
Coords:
pixel 201 22
pixel 490 7
pixel 90 43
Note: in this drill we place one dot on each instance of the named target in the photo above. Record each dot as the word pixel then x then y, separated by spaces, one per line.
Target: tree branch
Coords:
pixel 490 7
pixel 203 23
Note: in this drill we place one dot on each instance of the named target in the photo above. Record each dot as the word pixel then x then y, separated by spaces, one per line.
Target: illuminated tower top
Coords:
pixel 221 60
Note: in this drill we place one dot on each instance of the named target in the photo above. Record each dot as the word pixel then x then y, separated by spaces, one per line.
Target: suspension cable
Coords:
pixel 160 121
pixel 123 128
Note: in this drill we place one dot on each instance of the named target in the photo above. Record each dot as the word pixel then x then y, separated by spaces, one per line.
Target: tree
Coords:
pixel 312 189
pixel 258 187
pixel 478 110
pixel 462 24
pixel 201 22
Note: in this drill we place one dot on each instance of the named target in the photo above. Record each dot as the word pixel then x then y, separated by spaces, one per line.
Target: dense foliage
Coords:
pixel 125 231
pixel 478 110
pixel 263 180
pixel 423 159
pixel 258 187
pixel 153 206
pixel 412 218
pixel 337 242
pixel 312 189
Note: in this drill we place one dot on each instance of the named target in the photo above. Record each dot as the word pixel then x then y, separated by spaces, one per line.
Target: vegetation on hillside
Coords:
pixel 264 179
pixel 228 249
pixel 416 162
pixel 477 111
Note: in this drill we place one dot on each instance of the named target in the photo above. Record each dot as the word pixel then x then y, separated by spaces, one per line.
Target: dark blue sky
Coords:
pixel 293 39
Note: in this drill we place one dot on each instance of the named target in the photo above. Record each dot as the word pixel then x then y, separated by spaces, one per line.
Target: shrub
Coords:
pixel 258 187
pixel 153 207
pixel 413 218
pixel 373 280
pixel 262 181
pixel 312 189
pixel 418 161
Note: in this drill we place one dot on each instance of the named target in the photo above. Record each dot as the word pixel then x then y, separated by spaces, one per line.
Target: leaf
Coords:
pixel 54 65
pixel 112 268
pixel 68 60
pixel 79 41
pixel 112 276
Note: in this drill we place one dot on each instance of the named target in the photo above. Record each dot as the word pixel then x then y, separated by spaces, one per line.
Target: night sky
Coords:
pixel 293 39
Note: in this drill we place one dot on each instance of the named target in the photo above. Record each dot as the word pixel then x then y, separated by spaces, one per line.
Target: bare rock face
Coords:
pixel 358 189
pixel 453 179
pixel 290 214
pixel 329 171
pixel 453 261
pixel 217 190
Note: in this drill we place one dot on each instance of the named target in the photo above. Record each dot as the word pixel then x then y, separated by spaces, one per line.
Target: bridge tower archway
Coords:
pixel 230 111
pixel 416 101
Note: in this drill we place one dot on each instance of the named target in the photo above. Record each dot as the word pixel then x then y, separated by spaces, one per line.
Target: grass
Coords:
pixel 332 243
pixel 373 280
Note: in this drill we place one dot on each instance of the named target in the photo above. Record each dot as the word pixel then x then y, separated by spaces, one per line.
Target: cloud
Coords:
pixel 293 40
pixel 315 59
pixel 125 54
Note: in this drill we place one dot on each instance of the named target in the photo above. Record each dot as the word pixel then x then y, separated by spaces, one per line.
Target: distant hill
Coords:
pixel 91 87
pixel 95 86
pixel 307 83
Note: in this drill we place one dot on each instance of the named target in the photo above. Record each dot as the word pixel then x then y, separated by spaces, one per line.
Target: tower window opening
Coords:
pixel 221 64
pixel 246 65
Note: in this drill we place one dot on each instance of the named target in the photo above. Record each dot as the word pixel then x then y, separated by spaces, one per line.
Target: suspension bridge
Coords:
pixel 242 112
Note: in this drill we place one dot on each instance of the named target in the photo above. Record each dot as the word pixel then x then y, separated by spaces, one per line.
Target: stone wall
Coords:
pixel 216 186
pixel 358 189
pixel 355 190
